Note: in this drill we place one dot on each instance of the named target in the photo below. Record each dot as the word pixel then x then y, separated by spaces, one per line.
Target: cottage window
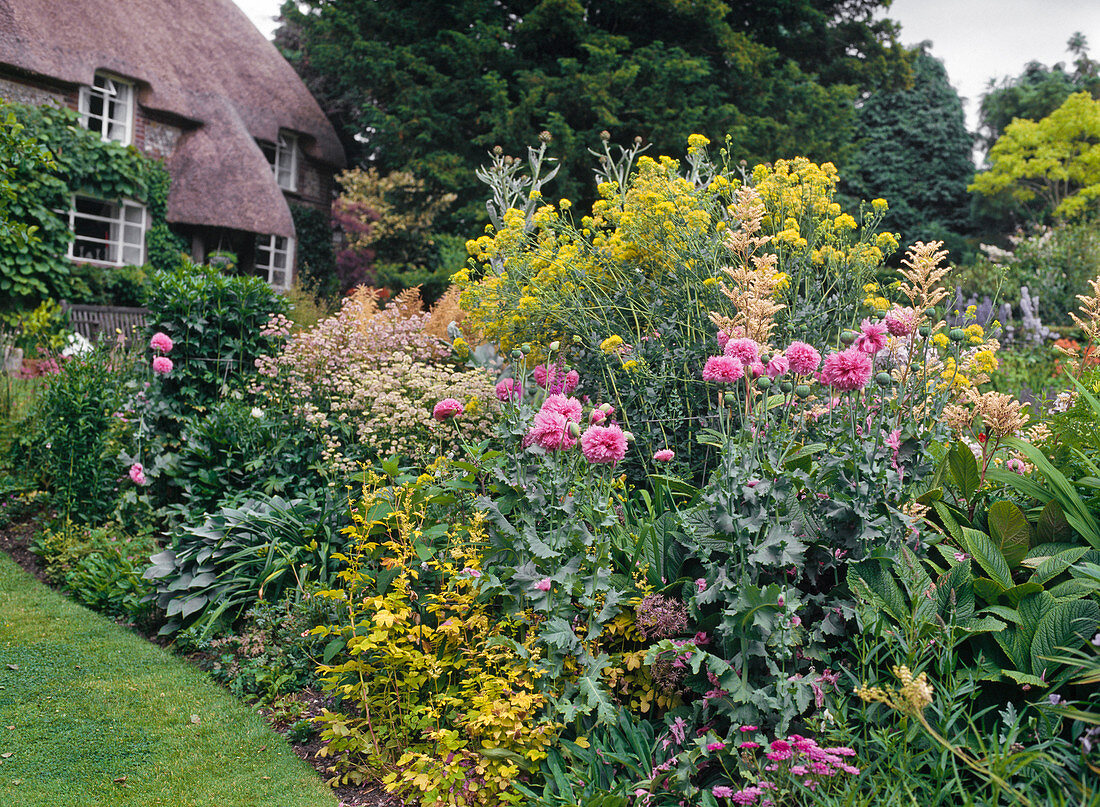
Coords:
pixel 274 258
pixel 107 108
pixel 107 232
pixel 283 156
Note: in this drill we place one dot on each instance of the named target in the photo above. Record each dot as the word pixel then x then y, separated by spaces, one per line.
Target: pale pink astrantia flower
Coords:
pixel 603 445
pixel 137 473
pixel 723 369
pixel 721 792
pixel 162 365
pixel 162 342
pixel 664 455
pixel 804 358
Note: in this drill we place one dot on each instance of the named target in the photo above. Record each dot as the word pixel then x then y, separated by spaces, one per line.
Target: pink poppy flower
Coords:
pixel 872 337
pixel 848 370
pixel 723 369
pixel 745 349
pixel 508 390
pixel 162 365
pixel 550 431
pixel 161 342
pixel 901 321
pixel 603 445
pixel 804 358
pixel 543 585
pixel 664 455
pixel 778 365
pixel 447 409
pixel 568 407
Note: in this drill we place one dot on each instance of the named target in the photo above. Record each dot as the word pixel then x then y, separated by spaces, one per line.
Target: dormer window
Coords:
pixel 107 108
pixel 283 156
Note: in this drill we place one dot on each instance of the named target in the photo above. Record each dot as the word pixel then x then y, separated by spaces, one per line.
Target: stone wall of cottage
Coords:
pixel 315 184
pixel 20 91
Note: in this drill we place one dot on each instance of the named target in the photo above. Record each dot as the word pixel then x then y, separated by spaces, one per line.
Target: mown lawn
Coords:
pixel 90 714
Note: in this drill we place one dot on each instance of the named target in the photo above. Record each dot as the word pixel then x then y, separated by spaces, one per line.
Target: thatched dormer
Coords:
pixel 192 82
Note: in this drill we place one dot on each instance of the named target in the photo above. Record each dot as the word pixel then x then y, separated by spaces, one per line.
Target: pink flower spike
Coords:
pixel 664 455
pixel 137 473
pixel 723 369
pixel 543 585
pixel 603 445
pixel 162 365
pixel 162 342
pixel 447 409
pixel 804 358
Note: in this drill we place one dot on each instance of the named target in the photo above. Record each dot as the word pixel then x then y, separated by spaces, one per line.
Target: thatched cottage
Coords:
pixel 194 83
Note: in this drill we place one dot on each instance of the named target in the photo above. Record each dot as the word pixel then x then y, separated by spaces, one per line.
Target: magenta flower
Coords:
pixel 137 473
pixel 744 349
pixel 722 792
pixel 747 795
pixel 718 746
pixel 540 375
pixel 162 365
pixel 778 365
pixel 664 455
pixel 543 585
pixel 570 408
pixel 603 445
pixel 550 431
pixel 848 370
pixel 723 369
pixel 161 342
pixel 901 321
pixel 508 390
pixel 447 409
pixel 804 358
pixel 872 337
pixel 757 369
pixel 723 338
pixel 572 381
pixel 780 750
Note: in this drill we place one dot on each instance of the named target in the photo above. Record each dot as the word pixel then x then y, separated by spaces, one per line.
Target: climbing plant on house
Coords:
pixel 41 196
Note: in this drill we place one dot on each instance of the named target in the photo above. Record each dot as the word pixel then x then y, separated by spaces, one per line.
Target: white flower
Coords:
pixel 257 412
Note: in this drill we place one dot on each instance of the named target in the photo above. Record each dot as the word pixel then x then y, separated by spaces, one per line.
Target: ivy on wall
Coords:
pixel 35 269
pixel 314 248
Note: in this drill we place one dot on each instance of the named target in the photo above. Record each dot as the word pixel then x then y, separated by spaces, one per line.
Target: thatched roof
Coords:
pixel 201 62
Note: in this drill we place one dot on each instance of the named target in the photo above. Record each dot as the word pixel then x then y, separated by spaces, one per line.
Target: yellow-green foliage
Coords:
pixel 536 279
pixel 437 690
pixel 1054 161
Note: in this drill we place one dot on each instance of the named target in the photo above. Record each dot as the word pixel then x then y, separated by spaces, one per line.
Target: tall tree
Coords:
pixel 430 87
pixel 1037 91
pixel 913 149
pixel 1051 167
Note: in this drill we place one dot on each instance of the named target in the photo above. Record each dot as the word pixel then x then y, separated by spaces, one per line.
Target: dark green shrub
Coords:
pixel 70 443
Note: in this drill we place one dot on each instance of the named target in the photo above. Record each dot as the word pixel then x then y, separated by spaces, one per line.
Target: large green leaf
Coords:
pixel 871 581
pixel 1009 529
pixel 1054 566
pixel 988 556
pixel 964 469
pixel 1066 625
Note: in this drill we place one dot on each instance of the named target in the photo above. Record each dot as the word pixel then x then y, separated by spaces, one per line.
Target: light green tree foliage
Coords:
pixel 1051 166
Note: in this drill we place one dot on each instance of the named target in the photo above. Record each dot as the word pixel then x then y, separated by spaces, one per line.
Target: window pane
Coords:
pixel 134 213
pixel 132 255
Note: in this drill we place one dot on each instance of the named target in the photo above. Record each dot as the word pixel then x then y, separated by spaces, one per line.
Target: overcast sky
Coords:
pixel 977 39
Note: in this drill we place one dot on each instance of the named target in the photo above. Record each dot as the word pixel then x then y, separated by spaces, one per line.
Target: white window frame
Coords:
pixel 268 249
pixel 115 121
pixel 282 156
pixel 126 239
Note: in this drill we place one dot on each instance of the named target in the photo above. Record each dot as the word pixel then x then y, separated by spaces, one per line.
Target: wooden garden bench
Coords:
pixel 104 321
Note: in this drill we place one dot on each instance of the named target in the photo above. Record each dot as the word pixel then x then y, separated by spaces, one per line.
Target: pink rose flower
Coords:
pixel 804 358
pixel 848 370
pixel 603 445
pixel 872 337
pixel 161 342
pixel 745 349
pixel 447 409
pixel 664 455
pixel 137 473
pixel 723 369
pixel 507 390
pixel 162 365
